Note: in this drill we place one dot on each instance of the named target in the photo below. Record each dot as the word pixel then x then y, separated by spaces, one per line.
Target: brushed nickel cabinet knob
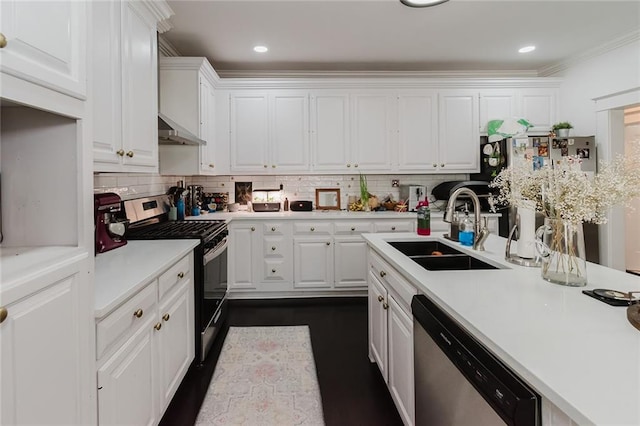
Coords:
pixel 348 165
pixel 166 317
pixel 253 228
pixel 4 313
pixel 181 275
pixel 120 152
pixel 158 326
pixel 383 273
pixel 328 243
pixel 3 41
pixel 265 166
pixel 353 228
pixel 211 165
pixel 380 298
pixel 313 229
pixel 273 229
pixel 273 248
pixel 130 154
pixel 393 228
pixel 273 271
pixel 435 165
pixel 138 313
pixel 385 306
pixel 442 165
pixel 356 165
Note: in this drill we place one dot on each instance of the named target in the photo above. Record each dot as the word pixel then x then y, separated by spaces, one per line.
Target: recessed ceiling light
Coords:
pixel 260 49
pixel 421 3
pixel 527 49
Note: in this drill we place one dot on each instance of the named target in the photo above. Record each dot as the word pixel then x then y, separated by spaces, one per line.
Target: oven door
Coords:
pixel 214 286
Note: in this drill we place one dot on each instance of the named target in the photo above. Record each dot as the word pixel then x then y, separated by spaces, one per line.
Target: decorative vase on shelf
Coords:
pixel 561 246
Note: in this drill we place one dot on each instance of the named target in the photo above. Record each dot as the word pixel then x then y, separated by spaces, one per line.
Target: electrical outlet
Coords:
pixel 395 183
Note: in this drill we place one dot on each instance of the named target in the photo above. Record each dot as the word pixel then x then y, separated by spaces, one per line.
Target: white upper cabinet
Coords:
pixel 187 96
pixel 418 131
pixel 46 44
pixel 539 106
pixel 330 135
pixel 125 87
pixel 269 132
pixel 458 131
pixel 371 129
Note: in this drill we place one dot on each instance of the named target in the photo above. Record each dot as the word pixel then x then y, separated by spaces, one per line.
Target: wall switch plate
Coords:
pixel 395 183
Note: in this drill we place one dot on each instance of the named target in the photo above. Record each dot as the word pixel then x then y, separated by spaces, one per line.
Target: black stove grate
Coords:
pixel 176 230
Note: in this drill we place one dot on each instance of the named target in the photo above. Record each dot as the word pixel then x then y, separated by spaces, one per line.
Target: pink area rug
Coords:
pixel 264 376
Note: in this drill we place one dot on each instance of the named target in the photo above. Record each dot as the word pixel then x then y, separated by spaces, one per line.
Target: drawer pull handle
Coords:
pixel 383 273
pixel 273 248
pixel 273 271
pixel 181 275
pixel 3 314
pixel 385 306
pixel 380 298
pixel 166 317
pixel 353 228
pixel 313 229
pixel 393 228
pixel 273 229
pixel 253 228
pixel 138 313
pixel 158 326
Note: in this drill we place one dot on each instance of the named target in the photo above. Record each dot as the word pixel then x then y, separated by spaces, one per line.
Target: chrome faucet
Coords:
pixel 451 206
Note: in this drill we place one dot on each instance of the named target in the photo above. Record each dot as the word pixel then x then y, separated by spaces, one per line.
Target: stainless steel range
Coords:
pixel 149 221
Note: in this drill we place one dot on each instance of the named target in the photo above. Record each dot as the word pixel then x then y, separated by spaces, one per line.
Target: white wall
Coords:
pixel 612 72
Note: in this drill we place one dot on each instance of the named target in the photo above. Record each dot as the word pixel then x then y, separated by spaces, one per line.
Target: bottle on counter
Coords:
pixel 286 204
pixel 180 208
pixel 424 217
pixel 466 234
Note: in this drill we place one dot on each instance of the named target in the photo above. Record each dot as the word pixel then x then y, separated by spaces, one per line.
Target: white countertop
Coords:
pixel 579 353
pixel 121 272
pixel 317 214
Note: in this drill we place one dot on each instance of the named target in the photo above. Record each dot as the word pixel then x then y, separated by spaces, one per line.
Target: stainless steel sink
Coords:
pixel 446 258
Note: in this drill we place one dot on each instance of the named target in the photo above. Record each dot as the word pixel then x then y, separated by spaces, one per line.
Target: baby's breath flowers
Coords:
pixel 568 193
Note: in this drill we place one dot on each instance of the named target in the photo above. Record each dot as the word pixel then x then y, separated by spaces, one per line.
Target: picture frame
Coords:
pixel 328 199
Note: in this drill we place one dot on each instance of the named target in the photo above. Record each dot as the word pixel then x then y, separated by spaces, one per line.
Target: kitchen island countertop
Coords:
pixel 580 354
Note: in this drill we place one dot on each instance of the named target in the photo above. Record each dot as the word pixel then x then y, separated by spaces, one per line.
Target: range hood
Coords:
pixel 171 133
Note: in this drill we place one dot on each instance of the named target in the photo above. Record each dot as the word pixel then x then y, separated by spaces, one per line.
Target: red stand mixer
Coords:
pixel 109 228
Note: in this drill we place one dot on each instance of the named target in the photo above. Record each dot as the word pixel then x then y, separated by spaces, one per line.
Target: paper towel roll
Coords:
pixel 526 233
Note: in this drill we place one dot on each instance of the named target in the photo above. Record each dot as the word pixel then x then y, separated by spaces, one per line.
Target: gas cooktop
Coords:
pixel 176 230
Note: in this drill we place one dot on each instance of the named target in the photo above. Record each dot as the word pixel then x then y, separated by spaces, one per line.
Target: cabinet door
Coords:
pixel 107 82
pixel 371 124
pixel 313 262
pixel 249 132
pixel 330 139
pixel 459 134
pixel 378 324
pixel 46 43
pixel 175 340
pixel 40 354
pixel 140 86
pixel 496 105
pixel 243 243
pixel 418 132
pixel 401 383
pixel 350 262
pixel 289 138
pixel 127 383
pixel 207 127
pixel 539 107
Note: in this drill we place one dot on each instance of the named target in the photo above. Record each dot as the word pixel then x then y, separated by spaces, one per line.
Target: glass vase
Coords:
pixel 561 247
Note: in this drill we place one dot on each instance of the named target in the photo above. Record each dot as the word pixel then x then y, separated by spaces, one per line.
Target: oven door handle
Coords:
pixel 215 252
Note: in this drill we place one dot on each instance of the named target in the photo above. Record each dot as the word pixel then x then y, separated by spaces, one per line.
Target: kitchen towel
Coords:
pixel 264 376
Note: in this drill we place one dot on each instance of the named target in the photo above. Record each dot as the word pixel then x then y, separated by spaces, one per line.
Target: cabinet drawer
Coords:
pixel 176 274
pixel 275 228
pixel 275 246
pixel 126 319
pixel 276 270
pixel 392 280
pixel 394 225
pixel 312 228
pixel 352 228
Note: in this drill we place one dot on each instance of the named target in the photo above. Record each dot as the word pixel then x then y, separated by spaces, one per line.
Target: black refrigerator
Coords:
pixel 544 150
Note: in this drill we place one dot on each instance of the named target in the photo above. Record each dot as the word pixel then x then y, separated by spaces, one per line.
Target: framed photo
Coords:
pixel 243 192
pixel 536 141
pixel 543 149
pixel 328 199
pixel 564 151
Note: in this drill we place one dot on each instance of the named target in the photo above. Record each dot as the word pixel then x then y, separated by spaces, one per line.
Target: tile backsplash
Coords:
pixel 131 185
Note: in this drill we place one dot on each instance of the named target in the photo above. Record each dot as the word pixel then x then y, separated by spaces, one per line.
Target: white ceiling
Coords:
pixel 384 35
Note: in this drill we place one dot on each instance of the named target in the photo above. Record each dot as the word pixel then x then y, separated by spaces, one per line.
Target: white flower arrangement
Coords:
pixel 568 193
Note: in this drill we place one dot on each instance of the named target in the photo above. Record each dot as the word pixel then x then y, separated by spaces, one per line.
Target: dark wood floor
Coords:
pixel 353 390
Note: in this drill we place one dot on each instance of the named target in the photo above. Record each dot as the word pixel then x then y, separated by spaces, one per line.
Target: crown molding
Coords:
pixel 589 54
pixel 197 63
pixel 166 48
pixel 161 11
pixel 290 74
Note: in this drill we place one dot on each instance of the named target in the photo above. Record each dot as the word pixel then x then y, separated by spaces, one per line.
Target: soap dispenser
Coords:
pixel 466 234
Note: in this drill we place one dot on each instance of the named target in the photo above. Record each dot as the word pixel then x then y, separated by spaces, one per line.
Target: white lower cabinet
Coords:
pixel 145 348
pixel 391 333
pixel 313 262
pixel 350 261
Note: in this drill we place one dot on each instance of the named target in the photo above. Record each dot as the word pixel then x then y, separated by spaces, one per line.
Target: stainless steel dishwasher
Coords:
pixel 458 381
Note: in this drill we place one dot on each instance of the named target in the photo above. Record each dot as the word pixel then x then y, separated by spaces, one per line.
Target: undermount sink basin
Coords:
pixel 446 258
